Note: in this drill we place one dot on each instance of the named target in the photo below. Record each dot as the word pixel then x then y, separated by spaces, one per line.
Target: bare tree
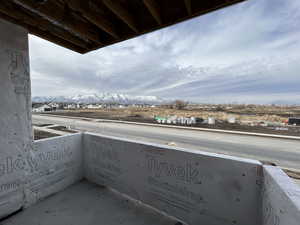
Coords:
pixel 179 104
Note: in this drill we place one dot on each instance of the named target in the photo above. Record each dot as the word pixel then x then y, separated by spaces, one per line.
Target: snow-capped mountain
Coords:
pixel 100 98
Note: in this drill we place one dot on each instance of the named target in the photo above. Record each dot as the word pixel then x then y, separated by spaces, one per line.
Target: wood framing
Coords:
pixel 86 25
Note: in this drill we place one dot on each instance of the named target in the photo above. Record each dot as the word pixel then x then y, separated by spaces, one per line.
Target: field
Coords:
pixel 42 135
pixel 247 116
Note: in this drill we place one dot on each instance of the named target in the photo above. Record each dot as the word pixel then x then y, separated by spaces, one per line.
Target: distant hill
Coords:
pixel 100 98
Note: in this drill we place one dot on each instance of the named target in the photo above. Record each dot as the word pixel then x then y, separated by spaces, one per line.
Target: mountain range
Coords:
pixel 100 98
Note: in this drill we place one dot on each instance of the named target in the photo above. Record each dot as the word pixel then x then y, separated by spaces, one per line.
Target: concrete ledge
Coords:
pixel 192 186
pixel 55 163
pixel 280 198
pixel 52 165
pixel 149 173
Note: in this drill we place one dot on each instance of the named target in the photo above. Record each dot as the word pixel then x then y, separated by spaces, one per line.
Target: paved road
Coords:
pixel 283 152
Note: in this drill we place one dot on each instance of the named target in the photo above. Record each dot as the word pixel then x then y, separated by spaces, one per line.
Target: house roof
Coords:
pixel 86 25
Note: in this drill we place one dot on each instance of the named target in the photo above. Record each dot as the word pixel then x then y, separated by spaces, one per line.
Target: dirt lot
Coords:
pixel 146 115
pixel 63 128
pixel 42 135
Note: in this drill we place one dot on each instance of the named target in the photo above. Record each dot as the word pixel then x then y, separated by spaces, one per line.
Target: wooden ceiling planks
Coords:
pixel 86 25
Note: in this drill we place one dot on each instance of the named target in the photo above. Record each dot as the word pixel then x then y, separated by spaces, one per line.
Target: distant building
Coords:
pixel 211 121
pixel 199 120
pixel 71 106
pixel 91 106
pixel 231 120
pixel 178 120
pixel 43 108
pixel 54 106
pixel 294 121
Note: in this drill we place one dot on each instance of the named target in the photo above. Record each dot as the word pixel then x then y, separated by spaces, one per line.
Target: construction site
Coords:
pixel 263 119
pixel 90 178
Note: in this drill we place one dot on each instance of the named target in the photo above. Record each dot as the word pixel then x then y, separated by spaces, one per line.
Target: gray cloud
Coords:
pixel 246 52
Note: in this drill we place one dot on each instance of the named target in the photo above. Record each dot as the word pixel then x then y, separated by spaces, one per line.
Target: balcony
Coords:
pixel 92 179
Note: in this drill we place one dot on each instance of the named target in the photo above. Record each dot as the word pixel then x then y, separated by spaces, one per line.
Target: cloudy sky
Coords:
pixel 247 53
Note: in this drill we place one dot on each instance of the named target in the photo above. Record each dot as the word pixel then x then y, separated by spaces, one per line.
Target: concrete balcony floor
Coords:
pixel 85 203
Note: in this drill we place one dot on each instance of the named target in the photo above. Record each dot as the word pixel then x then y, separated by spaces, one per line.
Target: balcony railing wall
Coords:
pixel 192 186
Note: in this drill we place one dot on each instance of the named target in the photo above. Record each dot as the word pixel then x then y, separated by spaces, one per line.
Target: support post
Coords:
pixel 15 116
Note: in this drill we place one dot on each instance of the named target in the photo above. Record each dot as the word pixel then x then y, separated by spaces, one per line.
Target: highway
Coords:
pixel 283 152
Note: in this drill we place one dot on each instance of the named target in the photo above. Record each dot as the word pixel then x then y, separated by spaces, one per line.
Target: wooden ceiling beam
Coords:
pixel 44 34
pixel 122 13
pixel 93 24
pixel 188 5
pixel 54 13
pixel 11 9
pixel 154 10
pixel 52 38
pixel 100 21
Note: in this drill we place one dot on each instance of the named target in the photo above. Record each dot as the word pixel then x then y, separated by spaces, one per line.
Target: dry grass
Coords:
pixel 249 117
pixel 149 113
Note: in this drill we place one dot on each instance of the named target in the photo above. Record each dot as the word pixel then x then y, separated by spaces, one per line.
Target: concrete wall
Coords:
pixel 15 115
pixel 54 164
pixel 28 171
pixel 51 166
pixel 193 186
pixel 280 198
